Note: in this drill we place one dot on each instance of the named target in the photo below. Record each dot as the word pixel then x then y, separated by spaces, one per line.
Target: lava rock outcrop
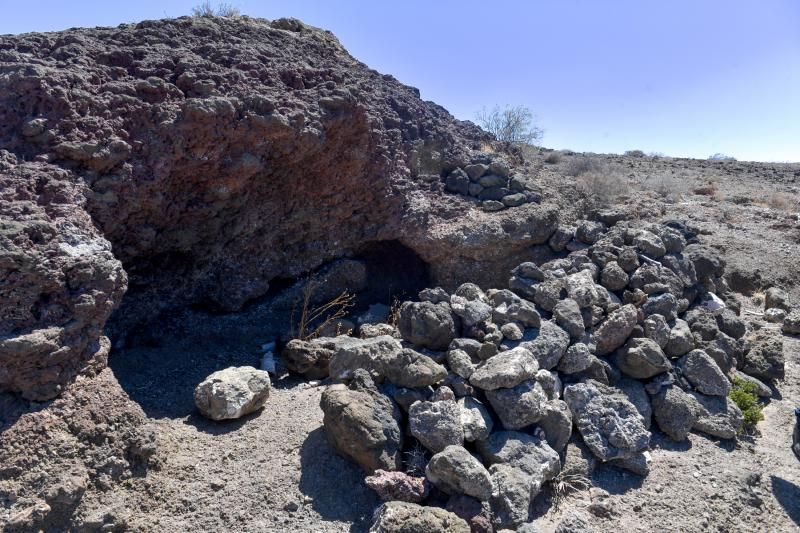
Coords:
pixel 210 156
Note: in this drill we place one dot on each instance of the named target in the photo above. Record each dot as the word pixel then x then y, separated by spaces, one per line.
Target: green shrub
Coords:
pixel 744 395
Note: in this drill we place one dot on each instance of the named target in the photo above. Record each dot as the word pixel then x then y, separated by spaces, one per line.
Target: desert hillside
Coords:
pixel 248 283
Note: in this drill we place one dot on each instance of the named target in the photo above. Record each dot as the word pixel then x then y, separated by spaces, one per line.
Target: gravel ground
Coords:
pixel 274 471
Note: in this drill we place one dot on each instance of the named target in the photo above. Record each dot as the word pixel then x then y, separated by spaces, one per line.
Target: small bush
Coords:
pixel 635 153
pixel 781 202
pixel 602 186
pixel 222 10
pixel 668 187
pixel 582 165
pixel 510 124
pixel 709 189
pixel 553 158
pixel 721 157
pixel 744 395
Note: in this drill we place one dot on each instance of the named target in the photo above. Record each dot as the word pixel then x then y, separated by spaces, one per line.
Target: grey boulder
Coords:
pixel 577 358
pixel 664 304
pixel 680 340
pixel 568 316
pixel 455 471
pixel 641 358
pixel 460 362
pixel 609 423
pixel 530 454
pixel 650 244
pixel 232 392
pixel 556 422
pixel 511 495
pixel 616 329
pixel 520 406
pixel 426 324
pixel 475 419
pixel 776 298
pixel 404 517
pixel 657 328
pixel 613 277
pixel 791 324
pixel 636 393
pixel 308 358
pixel 549 345
pixel 505 369
pixel 704 374
pixel 472 312
pixel 548 293
pixel 582 288
pixel 717 416
pixel 384 357
pixel 765 360
pixel 362 424
pixel 675 412
pixel 436 425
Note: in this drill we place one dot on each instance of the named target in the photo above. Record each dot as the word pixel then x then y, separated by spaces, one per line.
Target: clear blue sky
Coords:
pixel 682 77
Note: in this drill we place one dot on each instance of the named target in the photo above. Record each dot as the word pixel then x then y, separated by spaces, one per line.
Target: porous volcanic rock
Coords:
pixel 212 155
pixel 362 424
pixel 402 517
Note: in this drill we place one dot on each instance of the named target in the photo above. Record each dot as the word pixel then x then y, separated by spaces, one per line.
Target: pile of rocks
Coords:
pixel 778 309
pixel 492 183
pixel 470 401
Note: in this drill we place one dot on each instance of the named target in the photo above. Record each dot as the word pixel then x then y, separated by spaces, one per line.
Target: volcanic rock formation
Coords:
pixel 194 160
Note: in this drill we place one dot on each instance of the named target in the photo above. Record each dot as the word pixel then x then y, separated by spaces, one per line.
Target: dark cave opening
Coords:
pixel 394 272
pixel 160 361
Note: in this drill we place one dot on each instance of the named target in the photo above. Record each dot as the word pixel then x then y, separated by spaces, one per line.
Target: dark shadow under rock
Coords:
pixel 335 485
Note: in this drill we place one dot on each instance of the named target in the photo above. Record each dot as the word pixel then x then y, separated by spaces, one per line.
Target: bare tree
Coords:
pixel 511 124
pixel 222 10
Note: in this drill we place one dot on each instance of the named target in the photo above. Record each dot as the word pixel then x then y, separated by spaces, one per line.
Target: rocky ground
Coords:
pixel 123 448
pixel 274 470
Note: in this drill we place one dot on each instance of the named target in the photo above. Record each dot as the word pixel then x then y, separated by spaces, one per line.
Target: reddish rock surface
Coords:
pixel 212 155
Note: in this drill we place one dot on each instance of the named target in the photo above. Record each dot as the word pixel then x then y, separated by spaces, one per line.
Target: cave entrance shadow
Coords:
pixel 161 373
pixel 394 271
pixel 788 495
pixel 335 485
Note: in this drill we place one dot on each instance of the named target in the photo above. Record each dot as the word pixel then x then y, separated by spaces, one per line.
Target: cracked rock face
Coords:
pixel 193 160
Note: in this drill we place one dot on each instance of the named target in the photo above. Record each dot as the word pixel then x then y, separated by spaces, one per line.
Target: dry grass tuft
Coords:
pixel 315 319
pixel 582 164
pixel 758 298
pixel 565 483
pixel 668 187
pixel 394 312
pixel 416 460
pixel 601 186
pixel 780 202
